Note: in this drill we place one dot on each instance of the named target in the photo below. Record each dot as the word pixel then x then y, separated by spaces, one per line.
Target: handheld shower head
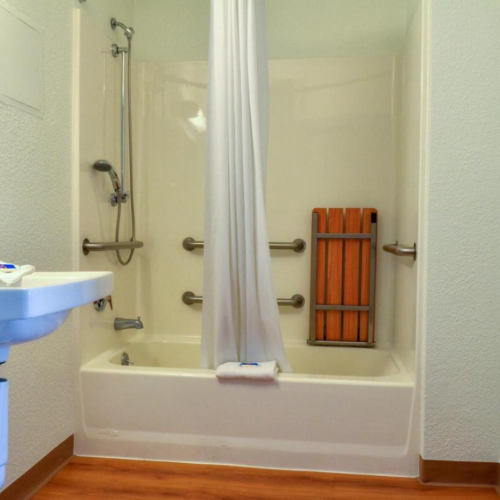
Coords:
pixel 128 30
pixel 105 166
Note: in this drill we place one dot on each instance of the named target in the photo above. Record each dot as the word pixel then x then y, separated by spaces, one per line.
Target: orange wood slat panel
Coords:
pixel 320 274
pixel 351 275
pixel 334 279
pixel 366 227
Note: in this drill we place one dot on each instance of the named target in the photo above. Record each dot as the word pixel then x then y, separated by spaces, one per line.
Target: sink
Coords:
pixel 36 308
pixel 43 302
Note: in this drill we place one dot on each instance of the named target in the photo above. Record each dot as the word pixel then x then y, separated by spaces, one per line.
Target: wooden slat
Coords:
pixel 334 278
pixel 351 275
pixel 112 479
pixel 366 227
pixel 321 274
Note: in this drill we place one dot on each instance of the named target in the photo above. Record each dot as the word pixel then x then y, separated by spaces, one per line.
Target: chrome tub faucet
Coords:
pixel 126 324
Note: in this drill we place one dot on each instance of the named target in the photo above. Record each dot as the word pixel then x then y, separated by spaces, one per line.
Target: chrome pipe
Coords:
pixel 116 51
pixel 298 245
pixel 401 250
pixel 128 31
pixel 88 246
pixel 297 301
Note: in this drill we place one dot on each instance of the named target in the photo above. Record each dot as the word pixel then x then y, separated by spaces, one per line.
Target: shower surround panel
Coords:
pixel 97 129
pixel 332 143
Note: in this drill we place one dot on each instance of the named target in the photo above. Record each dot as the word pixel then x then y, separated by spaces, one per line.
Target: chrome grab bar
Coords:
pixel 296 301
pixel 88 247
pixel 401 250
pixel 298 245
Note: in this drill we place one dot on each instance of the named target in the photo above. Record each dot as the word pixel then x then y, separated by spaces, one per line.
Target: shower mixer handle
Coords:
pixel 100 305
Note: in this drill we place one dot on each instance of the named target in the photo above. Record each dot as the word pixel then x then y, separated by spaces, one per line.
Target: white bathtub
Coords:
pixel 343 410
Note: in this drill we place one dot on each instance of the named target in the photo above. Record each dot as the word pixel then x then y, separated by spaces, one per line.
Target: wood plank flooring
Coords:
pixel 107 479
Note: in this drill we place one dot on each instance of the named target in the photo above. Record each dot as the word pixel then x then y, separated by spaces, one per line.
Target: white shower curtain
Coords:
pixel 240 313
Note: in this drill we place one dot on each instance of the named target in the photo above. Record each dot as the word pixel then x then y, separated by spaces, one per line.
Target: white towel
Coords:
pixel 265 370
pixel 10 276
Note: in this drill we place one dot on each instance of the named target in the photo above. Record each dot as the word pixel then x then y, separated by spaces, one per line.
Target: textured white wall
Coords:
pixel 35 227
pixel 462 369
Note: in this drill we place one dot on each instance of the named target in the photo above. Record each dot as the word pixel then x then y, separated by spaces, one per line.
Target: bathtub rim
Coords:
pixel 102 363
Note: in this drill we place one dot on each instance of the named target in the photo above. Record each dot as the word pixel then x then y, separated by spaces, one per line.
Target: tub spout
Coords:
pixel 126 324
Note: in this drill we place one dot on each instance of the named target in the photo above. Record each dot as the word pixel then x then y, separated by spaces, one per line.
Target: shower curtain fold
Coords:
pixel 240 313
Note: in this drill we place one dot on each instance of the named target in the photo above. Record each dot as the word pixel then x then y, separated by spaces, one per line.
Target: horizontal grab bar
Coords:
pixel 298 245
pixel 88 247
pixel 401 251
pixel 296 301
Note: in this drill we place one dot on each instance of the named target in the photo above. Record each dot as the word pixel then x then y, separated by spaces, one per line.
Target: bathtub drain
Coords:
pixel 126 360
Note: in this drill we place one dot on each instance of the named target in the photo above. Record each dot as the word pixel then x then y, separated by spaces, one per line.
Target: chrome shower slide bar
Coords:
pixel 88 247
pixel 298 245
pixel 296 301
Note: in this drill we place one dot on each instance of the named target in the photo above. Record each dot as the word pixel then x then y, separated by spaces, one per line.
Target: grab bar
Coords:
pixel 401 251
pixel 296 301
pixel 88 247
pixel 298 245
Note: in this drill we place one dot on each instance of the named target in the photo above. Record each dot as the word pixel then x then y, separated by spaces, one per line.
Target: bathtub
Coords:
pixel 342 410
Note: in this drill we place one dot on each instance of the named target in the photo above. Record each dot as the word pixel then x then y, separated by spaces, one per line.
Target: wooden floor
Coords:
pixel 105 479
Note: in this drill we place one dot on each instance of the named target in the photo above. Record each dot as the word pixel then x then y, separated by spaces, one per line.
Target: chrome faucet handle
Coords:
pixel 100 305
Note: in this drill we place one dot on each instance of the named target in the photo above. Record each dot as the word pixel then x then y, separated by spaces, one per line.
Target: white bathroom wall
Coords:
pixel 407 188
pixel 101 12
pixel 35 203
pixel 333 143
pixel 178 30
pixel 461 418
pixel 335 28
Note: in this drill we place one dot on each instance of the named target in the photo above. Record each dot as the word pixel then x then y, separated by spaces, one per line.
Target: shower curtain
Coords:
pixel 240 312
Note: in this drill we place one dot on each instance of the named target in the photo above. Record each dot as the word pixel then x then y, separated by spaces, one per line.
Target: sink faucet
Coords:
pixel 125 324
